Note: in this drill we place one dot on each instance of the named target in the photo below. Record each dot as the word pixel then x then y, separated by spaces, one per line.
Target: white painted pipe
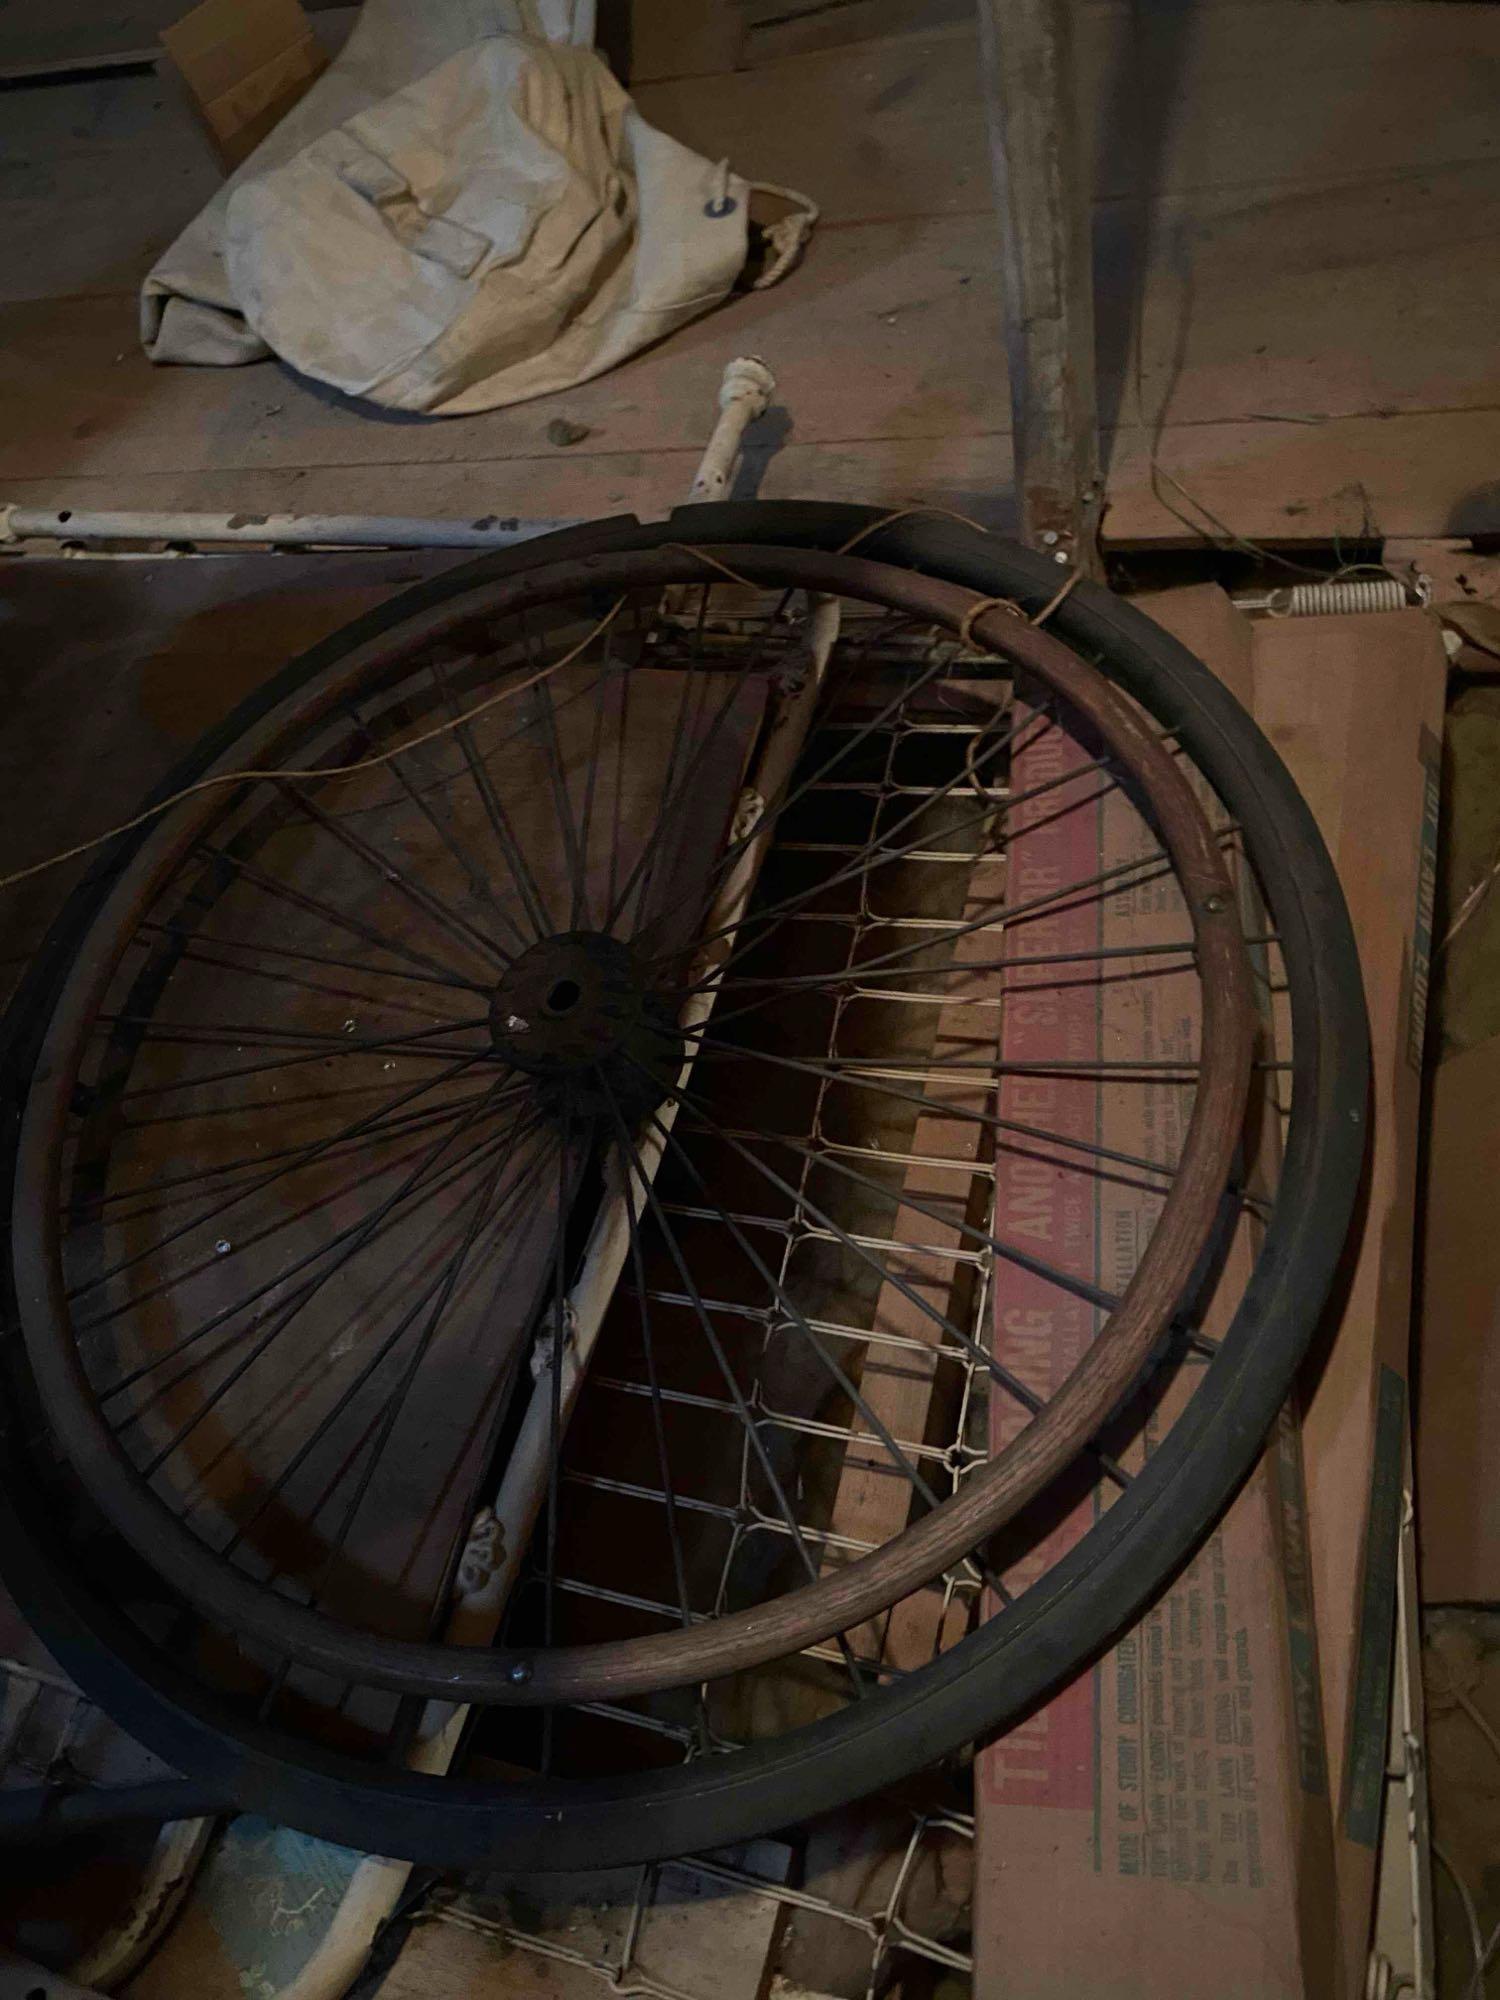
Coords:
pixel 744 394
pixel 504 1532
pixel 291 531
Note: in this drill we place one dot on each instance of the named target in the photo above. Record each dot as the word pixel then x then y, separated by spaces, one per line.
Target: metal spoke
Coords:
pixel 879 852
pixel 1027 1397
pixel 1014 962
pixel 686 699
pixel 495 812
pixel 541 696
pixel 484 1457
pixel 650 858
pixel 1062 1279
pixel 844 1067
pixel 554 1372
pixel 477 881
pixel 422 899
pixel 260 947
pixel 617 829
pixel 764 819
pixel 776 808
pixel 281 977
pixel 1002 912
pixel 417 1048
pixel 798 1318
pixel 315 1151
pixel 1012 1253
pixel 675 789
pixel 309 1444
pixel 298 899
pixel 419 1194
pixel 290 1313
pixel 235 1034
pixel 603 688
pixel 441 1298
pixel 873 1078
pixel 910 996
pixel 81 1207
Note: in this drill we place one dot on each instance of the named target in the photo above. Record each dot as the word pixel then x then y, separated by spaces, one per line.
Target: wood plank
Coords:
pixel 889 330
pixel 98 178
pixel 910 109
pixel 1355 706
pixel 447 1961
pixel 645 41
pixel 71 220
pixel 885 341
pixel 1180 102
pixel 780 28
pixel 92 30
pixel 1348 477
pixel 1044 214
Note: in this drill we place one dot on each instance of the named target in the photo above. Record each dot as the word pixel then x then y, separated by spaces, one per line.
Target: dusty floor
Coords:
pixel 1294 310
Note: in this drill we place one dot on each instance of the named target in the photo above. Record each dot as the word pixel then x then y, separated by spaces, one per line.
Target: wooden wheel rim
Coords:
pixel 991 1496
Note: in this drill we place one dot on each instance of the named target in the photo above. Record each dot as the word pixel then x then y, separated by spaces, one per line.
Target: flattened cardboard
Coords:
pixel 244 64
pixel 1355 706
pixel 1163 1824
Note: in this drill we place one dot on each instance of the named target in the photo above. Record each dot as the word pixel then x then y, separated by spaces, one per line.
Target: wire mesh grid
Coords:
pixel 618 1950
pixel 921 760
pixel 880 905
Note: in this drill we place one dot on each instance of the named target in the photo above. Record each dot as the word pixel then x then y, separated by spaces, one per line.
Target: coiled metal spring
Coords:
pixel 1352 593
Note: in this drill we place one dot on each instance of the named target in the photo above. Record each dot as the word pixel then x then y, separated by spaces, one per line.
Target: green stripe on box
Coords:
pixel 1369 1721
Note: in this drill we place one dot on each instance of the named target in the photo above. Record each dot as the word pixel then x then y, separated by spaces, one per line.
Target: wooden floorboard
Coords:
pixel 1192 98
pixel 1313 351
pixel 889 330
pixel 90 30
pixel 1415 474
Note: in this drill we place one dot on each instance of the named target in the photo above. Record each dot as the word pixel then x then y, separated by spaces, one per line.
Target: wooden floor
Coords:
pixel 1311 190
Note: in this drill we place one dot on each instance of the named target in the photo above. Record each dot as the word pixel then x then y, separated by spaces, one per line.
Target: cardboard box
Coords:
pixel 1458 1336
pixel 1163 1825
pixel 1355 706
pixel 244 63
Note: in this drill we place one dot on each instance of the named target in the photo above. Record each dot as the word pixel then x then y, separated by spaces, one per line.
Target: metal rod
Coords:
pixel 296 531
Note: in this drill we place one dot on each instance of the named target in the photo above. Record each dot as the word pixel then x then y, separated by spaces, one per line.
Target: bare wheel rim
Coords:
pixel 941 1535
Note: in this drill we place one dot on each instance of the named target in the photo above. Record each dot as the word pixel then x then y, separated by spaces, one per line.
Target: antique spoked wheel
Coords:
pixel 523 1197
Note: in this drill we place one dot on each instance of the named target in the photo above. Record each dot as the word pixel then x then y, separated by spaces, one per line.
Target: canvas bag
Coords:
pixel 189 313
pixel 506 226
pixel 464 211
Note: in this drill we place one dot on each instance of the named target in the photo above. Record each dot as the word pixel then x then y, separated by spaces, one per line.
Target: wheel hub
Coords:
pixel 577 1011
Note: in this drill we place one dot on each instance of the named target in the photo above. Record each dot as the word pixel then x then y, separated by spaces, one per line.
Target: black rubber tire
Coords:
pixel 994 1677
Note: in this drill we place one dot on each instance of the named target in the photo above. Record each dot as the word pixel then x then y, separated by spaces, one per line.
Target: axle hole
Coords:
pixel 564 996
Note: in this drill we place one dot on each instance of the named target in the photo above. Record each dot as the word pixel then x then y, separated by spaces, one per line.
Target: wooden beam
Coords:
pixel 1029 77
